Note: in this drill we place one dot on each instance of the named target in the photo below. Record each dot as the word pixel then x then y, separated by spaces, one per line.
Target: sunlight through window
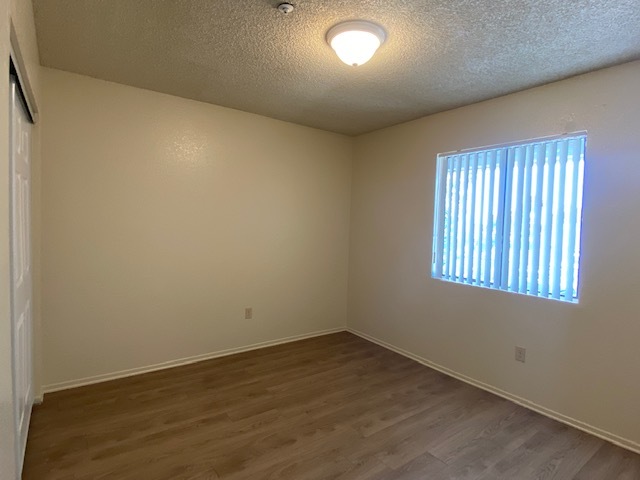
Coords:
pixel 509 217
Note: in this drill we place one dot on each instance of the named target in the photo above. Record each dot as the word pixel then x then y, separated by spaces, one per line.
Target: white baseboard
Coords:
pixel 55 387
pixel 585 427
pixel 603 434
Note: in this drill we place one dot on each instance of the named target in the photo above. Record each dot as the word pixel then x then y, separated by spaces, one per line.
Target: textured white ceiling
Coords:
pixel 245 54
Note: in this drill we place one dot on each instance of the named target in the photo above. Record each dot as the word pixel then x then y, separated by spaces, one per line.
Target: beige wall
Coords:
pixel 583 361
pixel 163 218
pixel 18 12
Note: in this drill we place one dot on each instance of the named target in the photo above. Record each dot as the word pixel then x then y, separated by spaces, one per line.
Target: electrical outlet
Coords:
pixel 248 313
pixel 521 354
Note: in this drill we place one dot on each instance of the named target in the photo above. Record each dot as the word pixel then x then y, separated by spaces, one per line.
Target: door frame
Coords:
pixel 16 62
pixel 17 68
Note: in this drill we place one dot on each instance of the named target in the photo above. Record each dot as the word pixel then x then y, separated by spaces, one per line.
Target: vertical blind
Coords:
pixel 509 217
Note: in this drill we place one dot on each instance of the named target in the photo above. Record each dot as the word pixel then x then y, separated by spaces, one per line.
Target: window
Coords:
pixel 509 217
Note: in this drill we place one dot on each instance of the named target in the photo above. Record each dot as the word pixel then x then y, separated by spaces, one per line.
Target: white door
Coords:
pixel 20 145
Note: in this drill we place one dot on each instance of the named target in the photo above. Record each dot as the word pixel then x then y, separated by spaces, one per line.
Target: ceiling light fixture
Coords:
pixel 356 41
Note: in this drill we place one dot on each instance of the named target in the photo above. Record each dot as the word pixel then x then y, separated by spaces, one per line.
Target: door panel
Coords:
pixel 21 294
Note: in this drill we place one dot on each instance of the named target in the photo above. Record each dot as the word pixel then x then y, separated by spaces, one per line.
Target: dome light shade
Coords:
pixel 355 42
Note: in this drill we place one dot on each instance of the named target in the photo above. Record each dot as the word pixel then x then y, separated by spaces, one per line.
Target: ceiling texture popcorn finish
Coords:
pixel 439 54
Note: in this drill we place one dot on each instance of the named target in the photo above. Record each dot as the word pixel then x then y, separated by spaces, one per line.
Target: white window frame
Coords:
pixel 558 155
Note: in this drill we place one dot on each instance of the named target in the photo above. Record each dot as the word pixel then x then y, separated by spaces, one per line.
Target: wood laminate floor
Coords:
pixel 332 407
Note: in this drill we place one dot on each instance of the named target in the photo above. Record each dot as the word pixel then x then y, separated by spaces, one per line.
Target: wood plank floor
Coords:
pixel 332 407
